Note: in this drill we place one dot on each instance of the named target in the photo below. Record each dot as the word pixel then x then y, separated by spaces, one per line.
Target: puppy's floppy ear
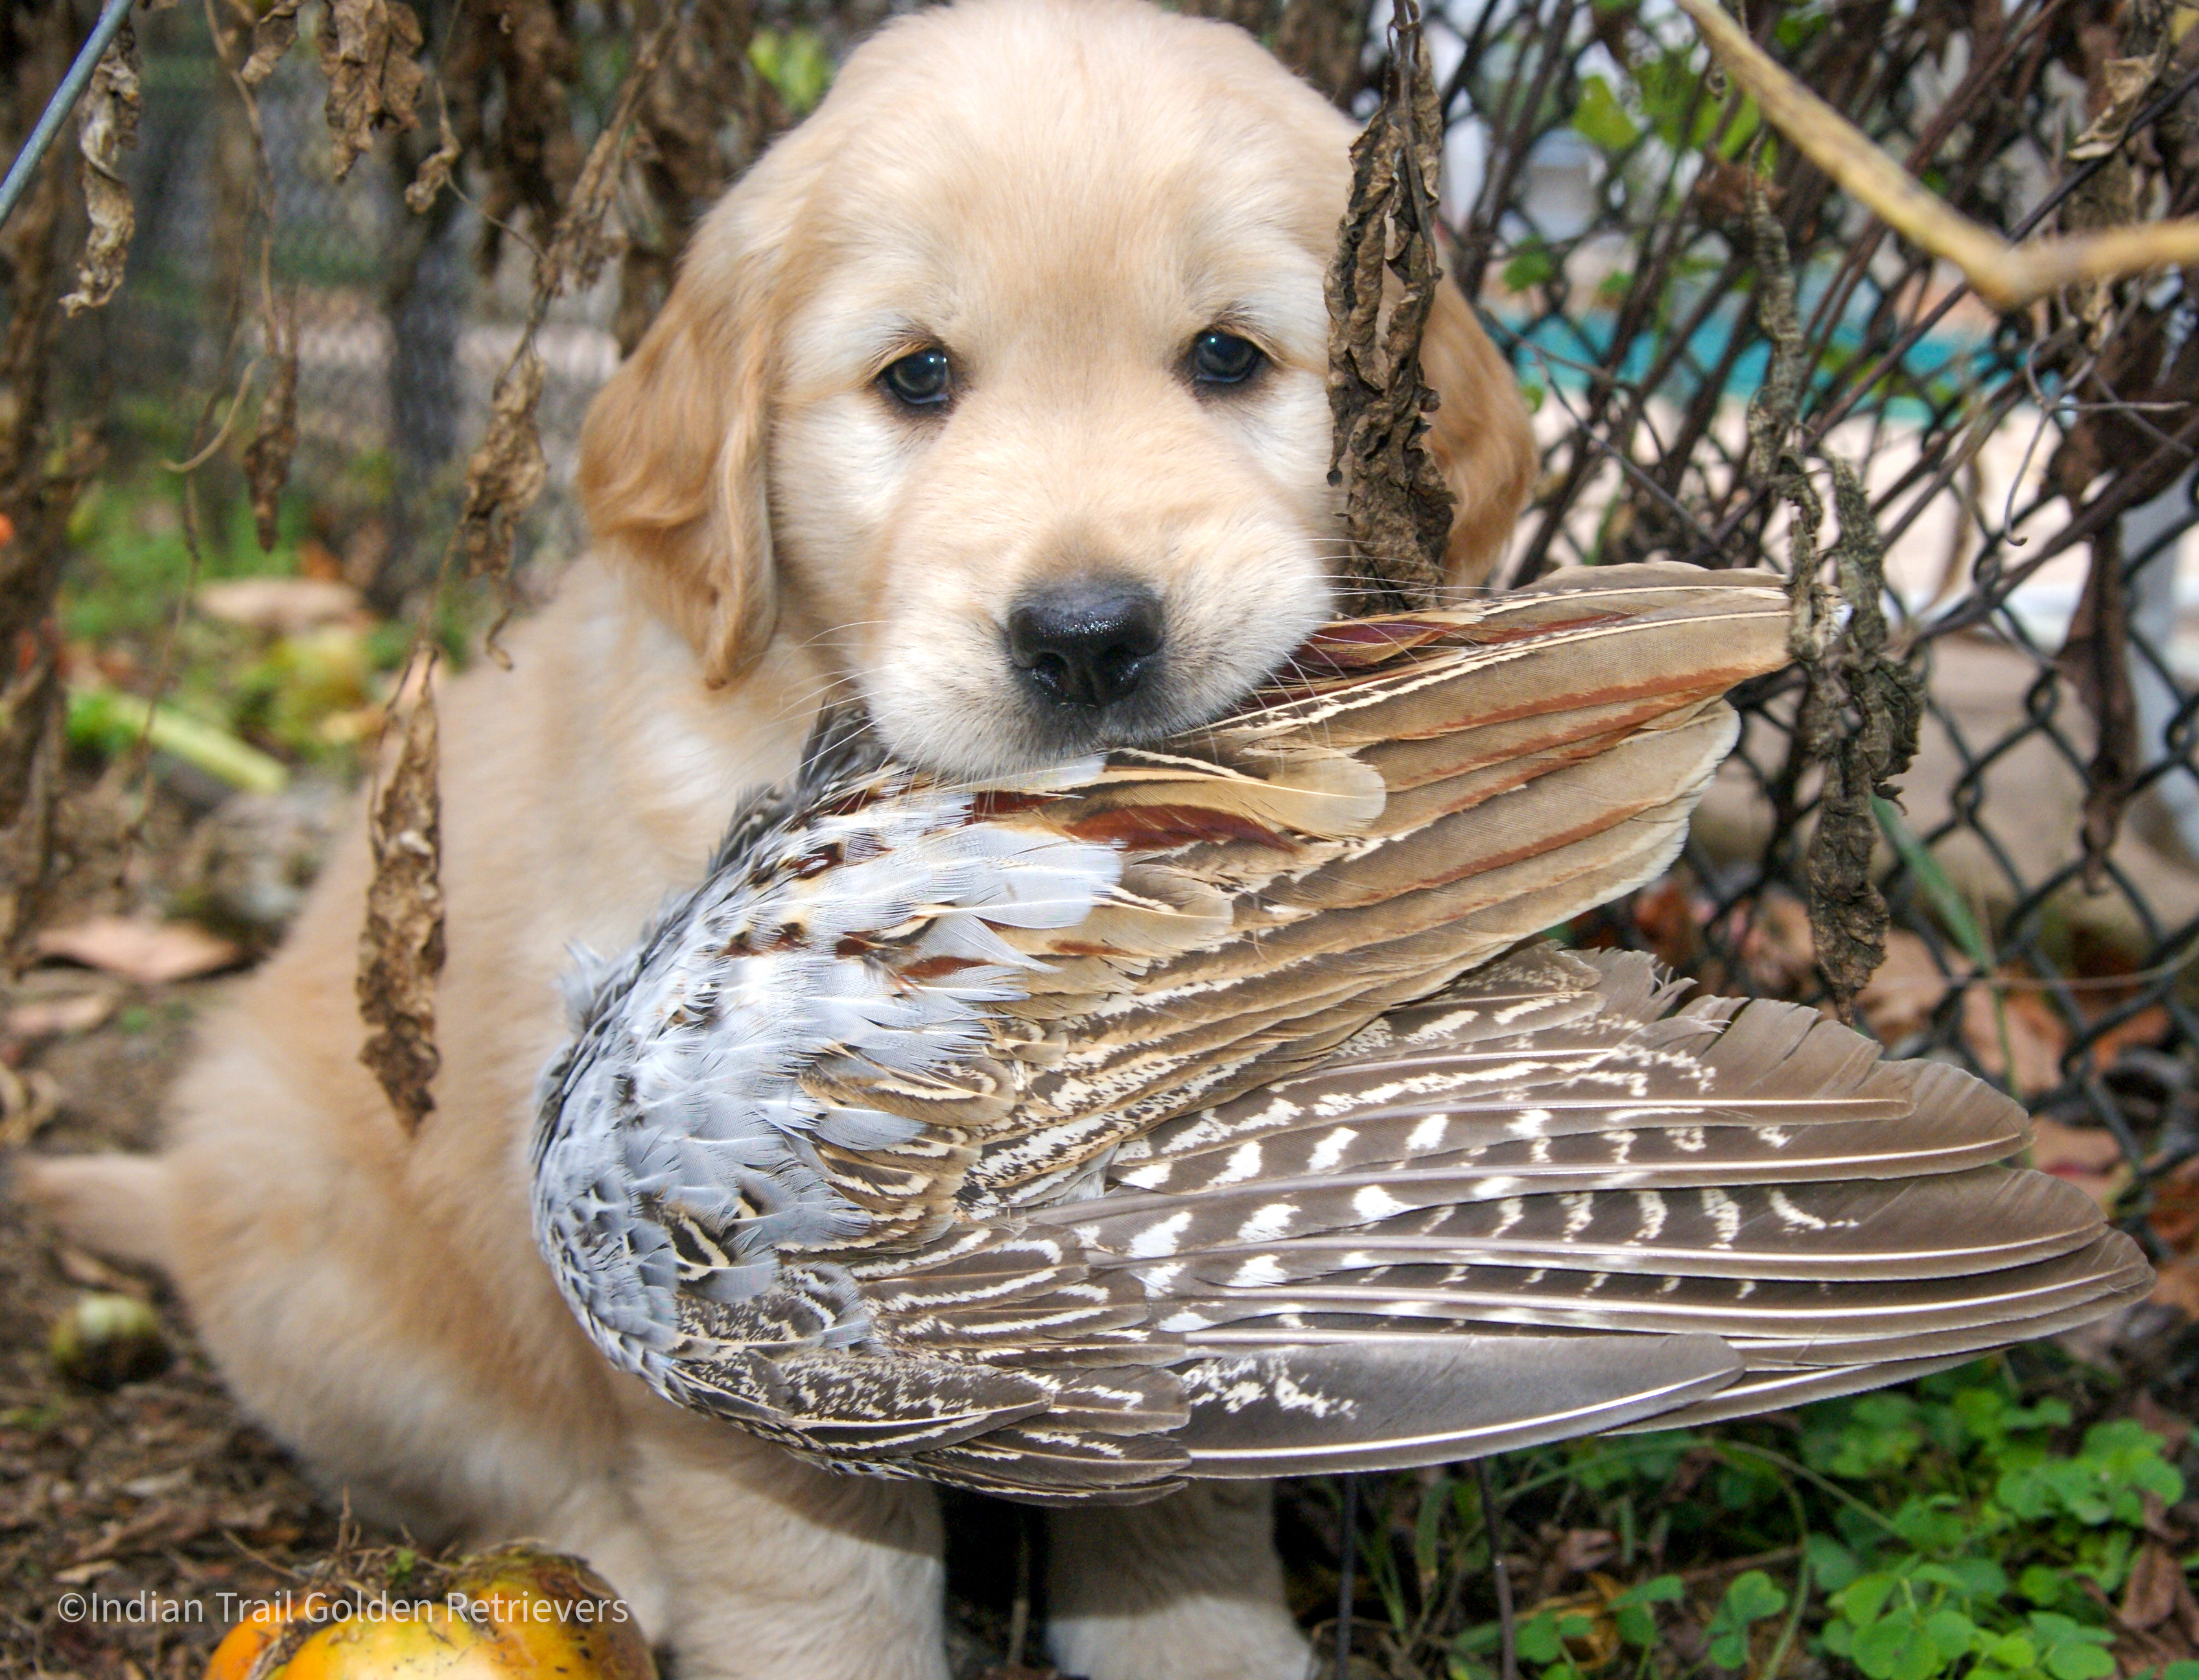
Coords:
pixel 674 454
pixel 1478 434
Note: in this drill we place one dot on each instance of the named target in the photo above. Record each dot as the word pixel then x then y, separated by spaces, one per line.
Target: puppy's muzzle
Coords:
pixel 1089 642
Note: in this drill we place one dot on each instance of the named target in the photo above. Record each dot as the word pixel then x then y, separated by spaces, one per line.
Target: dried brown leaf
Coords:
pixel 2087 1156
pixel 1904 990
pixel 107 126
pixel 506 472
pixel 434 174
pixel 272 36
pixel 150 953
pixel 1396 506
pixel 2095 656
pixel 275 439
pixel 583 241
pixel 2157 1590
pixel 401 948
pixel 2036 1038
pixel 60 1017
pixel 367 49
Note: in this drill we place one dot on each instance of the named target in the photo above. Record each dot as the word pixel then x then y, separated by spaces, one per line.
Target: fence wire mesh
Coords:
pixel 2029 476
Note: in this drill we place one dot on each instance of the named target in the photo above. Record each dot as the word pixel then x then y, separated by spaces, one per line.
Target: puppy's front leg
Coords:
pixel 1189 1588
pixel 776 1569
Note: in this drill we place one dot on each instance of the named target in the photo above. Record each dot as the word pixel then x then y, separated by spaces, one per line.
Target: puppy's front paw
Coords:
pixel 1194 1638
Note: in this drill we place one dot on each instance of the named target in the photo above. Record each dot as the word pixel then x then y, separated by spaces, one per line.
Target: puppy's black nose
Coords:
pixel 1089 642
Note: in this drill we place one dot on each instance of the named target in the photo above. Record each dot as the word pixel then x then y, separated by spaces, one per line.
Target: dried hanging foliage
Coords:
pixel 272 36
pixel 504 78
pixel 39 475
pixel 683 163
pixel 107 126
pixel 275 439
pixel 401 948
pixel 367 49
pixel 434 172
pixel 1861 710
pixel 1396 507
pixel 2095 658
pixel 506 472
pixel 275 435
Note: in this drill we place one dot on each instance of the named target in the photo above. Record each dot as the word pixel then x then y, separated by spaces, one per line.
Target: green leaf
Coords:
pixel 1951 1633
pixel 1538 1640
pixel 2077 1662
pixel 2042 1585
pixel 1752 1598
pixel 1897 1649
pixel 1864 1599
pixel 1832 1565
pixel 1601 119
pixel 1531 265
pixel 1953 913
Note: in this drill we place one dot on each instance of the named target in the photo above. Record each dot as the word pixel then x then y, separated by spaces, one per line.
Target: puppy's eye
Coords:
pixel 1219 358
pixel 922 379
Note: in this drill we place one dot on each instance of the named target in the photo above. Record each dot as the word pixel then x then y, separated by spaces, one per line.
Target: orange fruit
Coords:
pixel 513 1614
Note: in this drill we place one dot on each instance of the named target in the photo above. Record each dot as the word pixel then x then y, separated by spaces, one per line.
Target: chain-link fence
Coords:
pixel 2028 476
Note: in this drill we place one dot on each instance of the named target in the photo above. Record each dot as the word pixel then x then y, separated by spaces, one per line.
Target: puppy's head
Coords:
pixel 1001 381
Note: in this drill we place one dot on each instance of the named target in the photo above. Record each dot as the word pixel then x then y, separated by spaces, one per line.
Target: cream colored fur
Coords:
pixel 1064 194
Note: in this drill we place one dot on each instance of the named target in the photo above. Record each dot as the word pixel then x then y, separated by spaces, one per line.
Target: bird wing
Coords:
pixel 1075 1134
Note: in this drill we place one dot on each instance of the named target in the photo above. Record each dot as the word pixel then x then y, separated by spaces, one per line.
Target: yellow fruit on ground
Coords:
pixel 515 1614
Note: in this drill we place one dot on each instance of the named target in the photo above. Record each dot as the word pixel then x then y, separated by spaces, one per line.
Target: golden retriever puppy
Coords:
pixel 994 395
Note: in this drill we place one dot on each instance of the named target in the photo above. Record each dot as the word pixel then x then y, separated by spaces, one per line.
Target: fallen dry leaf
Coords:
pixel 367 49
pixel 1671 921
pixel 2147 1028
pixel 59 1016
pixel 1777 946
pixel 148 952
pixel 2087 1156
pixel 107 126
pixel 286 606
pixel 401 948
pixel 2158 1593
pixel 2036 1038
pixel 27 1101
pixel 1899 999
pixel 2174 1215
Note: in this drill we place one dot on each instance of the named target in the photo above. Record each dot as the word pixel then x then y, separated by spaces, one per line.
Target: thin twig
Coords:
pixel 2006 276
pixel 1346 1563
pixel 1508 1646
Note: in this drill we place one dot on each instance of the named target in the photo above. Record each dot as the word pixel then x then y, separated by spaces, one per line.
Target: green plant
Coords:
pixel 1956 1528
